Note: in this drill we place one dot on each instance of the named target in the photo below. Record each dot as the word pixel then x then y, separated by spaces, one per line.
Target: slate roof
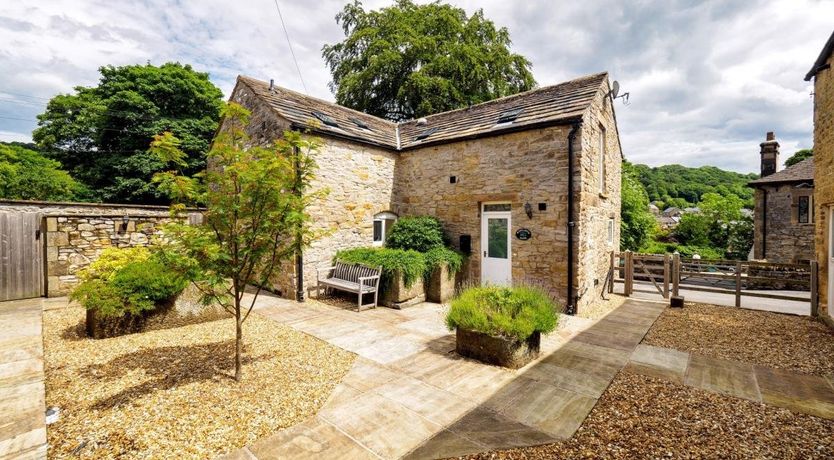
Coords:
pixel 561 103
pixel 800 172
pixel 299 108
pixel 820 62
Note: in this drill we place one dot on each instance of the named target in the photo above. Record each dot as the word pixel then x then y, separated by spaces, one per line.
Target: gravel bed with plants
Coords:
pixel 797 343
pixel 642 417
pixel 170 393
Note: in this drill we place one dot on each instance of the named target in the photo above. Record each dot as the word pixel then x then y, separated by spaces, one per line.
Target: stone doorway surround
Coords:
pixel 409 395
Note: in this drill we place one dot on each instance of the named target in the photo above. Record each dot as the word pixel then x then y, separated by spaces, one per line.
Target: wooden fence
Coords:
pixel 668 273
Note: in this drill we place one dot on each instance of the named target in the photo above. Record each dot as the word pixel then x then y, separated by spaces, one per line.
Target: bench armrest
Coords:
pixel 362 280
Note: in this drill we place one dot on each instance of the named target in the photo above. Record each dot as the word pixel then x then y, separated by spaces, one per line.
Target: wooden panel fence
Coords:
pixel 668 273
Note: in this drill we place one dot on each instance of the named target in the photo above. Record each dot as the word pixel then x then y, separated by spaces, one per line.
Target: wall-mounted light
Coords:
pixel 124 223
pixel 528 209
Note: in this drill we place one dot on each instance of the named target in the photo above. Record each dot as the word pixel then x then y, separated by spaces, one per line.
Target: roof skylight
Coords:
pixel 324 118
pixel 360 123
pixel 426 133
pixel 509 116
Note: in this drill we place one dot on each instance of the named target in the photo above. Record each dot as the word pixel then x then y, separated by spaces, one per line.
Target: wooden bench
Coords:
pixel 355 278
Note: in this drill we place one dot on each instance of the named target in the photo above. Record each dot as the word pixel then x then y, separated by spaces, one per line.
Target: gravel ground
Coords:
pixel 642 417
pixel 601 308
pixel 170 393
pixel 796 343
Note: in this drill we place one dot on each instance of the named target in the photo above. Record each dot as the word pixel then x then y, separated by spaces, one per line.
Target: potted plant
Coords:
pixel 501 325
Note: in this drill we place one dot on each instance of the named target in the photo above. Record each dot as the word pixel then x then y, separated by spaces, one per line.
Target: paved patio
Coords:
pixel 22 398
pixel 409 395
pixel 809 394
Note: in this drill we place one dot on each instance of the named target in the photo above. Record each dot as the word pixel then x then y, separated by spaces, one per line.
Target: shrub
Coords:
pixel 112 260
pixel 420 233
pixel 137 286
pixel 411 264
pixel 515 312
pixel 441 255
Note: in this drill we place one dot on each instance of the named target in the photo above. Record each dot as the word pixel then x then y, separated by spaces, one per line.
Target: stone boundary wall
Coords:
pixel 77 233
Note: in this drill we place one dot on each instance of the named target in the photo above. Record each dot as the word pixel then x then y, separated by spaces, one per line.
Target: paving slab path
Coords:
pixel 410 395
pixel 22 397
pixel 809 394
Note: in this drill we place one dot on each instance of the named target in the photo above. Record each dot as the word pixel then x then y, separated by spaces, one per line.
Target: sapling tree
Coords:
pixel 255 219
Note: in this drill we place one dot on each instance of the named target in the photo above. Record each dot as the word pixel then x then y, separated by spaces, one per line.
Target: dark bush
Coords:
pixel 420 233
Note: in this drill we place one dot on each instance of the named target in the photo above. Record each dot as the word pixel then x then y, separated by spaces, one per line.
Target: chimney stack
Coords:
pixel 272 84
pixel 769 155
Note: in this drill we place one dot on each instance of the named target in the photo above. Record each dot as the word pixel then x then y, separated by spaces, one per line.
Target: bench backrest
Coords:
pixel 352 272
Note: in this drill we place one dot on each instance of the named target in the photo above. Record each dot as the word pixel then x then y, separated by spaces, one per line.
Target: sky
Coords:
pixel 706 80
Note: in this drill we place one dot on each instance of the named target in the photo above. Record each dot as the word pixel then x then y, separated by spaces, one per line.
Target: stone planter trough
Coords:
pixel 397 295
pixel 441 285
pixel 500 351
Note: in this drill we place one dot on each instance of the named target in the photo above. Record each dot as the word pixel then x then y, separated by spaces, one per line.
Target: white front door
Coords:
pixel 496 266
pixel 831 261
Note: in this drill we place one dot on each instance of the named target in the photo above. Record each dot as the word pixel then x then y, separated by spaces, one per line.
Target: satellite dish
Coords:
pixel 615 89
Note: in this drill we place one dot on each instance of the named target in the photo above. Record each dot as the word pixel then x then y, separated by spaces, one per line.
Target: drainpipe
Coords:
pixel 572 299
pixel 299 255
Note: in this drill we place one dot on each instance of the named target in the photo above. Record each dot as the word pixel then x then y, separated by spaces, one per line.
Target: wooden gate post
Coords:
pixel 676 273
pixel 666 276
pixel 814 289
pixel 738 284
pixel 629 273
pixel 613 273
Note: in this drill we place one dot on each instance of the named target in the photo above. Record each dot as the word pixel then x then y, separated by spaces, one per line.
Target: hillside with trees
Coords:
pixel 718 230
pixel 682 186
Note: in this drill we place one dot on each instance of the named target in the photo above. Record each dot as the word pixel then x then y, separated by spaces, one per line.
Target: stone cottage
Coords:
pixel 546 161
pixel 823 177
pixel 783 219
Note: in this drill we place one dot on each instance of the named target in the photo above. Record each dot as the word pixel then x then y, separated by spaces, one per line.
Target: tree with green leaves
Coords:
pixel 101 134
pixel 256 218
pixel 409 60
pixel 798 156
pixel 26 174
pixel 682 186
pixel 636 222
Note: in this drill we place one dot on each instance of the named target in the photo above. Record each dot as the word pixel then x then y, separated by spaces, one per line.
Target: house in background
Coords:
pixel 824 175
pixel 546 161
pixel 783 218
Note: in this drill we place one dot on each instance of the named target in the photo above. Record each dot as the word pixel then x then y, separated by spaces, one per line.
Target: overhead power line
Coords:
pixel 292 53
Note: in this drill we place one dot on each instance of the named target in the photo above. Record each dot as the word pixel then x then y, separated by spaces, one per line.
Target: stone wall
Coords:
pixel 598 206
pixel 76 233
pixel 823 177
pixel 518 168
pixel 359 181
pixel 778 236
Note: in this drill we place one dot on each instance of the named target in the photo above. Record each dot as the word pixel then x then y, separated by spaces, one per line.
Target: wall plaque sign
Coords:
pixel 523 234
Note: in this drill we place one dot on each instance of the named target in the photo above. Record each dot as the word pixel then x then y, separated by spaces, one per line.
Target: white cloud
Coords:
pixel 707 79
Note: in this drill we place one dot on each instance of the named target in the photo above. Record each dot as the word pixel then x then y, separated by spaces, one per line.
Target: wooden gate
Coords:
pixel 21 256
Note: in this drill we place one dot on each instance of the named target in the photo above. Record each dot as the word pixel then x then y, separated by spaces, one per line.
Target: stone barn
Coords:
pixel 546 161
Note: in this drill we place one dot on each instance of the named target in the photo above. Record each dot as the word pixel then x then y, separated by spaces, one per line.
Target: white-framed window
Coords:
pixel 382 226
pixel 601 158
pixel 611 231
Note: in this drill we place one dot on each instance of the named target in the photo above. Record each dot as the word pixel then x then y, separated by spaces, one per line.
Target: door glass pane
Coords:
pixel 497 238
pixel 496 207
